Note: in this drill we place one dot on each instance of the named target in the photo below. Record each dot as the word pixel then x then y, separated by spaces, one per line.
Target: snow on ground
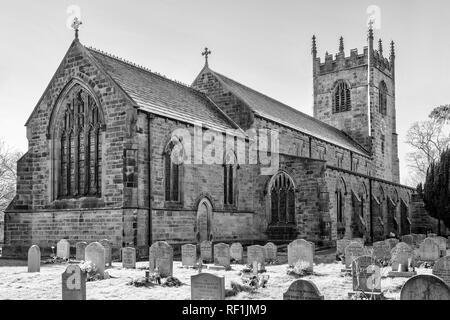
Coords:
pixel 17 284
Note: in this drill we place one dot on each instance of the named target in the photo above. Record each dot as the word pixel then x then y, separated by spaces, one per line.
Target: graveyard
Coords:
pixel 297 271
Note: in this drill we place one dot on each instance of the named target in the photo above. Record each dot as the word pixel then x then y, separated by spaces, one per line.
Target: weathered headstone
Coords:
pixel 129 258
pixel 271 251
pixel 302 290
pixel 73 283
pixel 256 253
pixel 353 251
pixel 425 287
pixel 95 253
pixel 402 256
pixel 236 251
pixel 108 251
pixel 392 242
pixel 341 245
pixel 428 250
pixel 207 286
pixel 301 250
pixel 409 240
pixel 381 250
pixel 161 257
pixel 366 275
pixel 441 269
pixel 442 243
pixel 34 259
pixel 188 255
pixel 63 249
pixel 80 251
pixel 206 251
pixel 222 255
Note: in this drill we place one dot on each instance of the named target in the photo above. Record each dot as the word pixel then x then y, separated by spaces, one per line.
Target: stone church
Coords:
pixel 106 139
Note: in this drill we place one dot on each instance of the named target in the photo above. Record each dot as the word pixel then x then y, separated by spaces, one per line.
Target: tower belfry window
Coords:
pixel 342 99
pixel 383 98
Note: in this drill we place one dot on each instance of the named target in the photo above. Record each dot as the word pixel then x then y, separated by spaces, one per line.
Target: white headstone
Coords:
pixel 441 269
pixel 161 257
pixel 301 250
pixel 34 259
pixel 73 283
pixel 108 251
pixel 188 255
pixel 401 257
pixel 207 286
pixel 206 249
pixel 425 287
pixel 302 290
pixel 80 251
pixel 129 258
pixel 353 251
pixel 429 250
pixel 236 251
pixel 222 255
pixel 271 251
pixel 256 253
pixel 95 253
pixel 63 249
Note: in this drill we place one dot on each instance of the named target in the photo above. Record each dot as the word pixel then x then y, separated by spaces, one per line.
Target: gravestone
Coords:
pixel 366 275
pixel 431 235
pixel 301 250
pixel 80 250
pixel 302 290
pixel 256 253
pixel 161 257
pixel 391 243
pixel 442 244
pixel 236 251
pixel 420 238
pixel 409 240
pixel 416 240
pixel 63 249
pixel 129 258
pixel 270 251
pixel 425 287
pixel 73 283
pixel 402 256
pixel 207 286
pixel 441 269
pixel 222 255
pixel 360 240
pixel 353 251
pixel 108 251
pixel 95 253
pixel 34 259
pixel 381 250
pixel 206 253
pixel 188 255
pixel 428 250
pixel 341 245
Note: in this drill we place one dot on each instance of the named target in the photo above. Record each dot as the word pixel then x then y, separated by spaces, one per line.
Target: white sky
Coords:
pixel 263 44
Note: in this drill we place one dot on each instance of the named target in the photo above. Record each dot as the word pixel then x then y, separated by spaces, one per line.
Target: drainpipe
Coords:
pixel 150 193
pixel 370 209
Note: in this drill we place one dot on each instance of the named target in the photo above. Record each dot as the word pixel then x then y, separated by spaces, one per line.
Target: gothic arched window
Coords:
pixel 174 156
pixel 342 101
pixel 80 141
pixel 282 199
pixel 383 98
pixel 229 176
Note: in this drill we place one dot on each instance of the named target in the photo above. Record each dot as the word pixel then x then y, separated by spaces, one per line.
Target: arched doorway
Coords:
pixel 204 221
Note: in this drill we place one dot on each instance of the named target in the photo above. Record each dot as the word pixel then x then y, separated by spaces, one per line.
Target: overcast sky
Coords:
pixel 263 44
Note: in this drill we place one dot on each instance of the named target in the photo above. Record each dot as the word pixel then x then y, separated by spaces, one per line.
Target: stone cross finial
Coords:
pixel 206 53
pixel 380 46
pixel 76 26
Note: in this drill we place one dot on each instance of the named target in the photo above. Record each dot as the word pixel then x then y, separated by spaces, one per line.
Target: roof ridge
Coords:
pixel 142 68
pixel 287 106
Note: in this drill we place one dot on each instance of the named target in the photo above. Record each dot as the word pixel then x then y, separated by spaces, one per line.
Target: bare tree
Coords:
pixel 8 174
pixel 428 139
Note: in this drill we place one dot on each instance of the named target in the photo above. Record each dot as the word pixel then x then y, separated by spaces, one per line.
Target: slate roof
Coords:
pixel 277 111
pixel 157 94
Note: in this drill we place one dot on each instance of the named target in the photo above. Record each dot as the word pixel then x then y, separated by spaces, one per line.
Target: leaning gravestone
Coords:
pixel 63 249
pixel 425 287
pixel 222 255
pixel 188 255
pixel 441 269
pixel 409 240
pixel 129 258
pixel 207 286
pixel 302 290
pixel 442 244
pixel 401 258
pixel 366 275
pixel 256 254
pixel 428 250
pixel 108 251
pixel 80 251
pixel 161 257
pixel 353 251
pixel 73 283
pixel 206 249
pixel 271 251
pixel 236 251
pixel 341 245
pixel 391 243
pixel 381 250
pixel 34 259
pixel 95 253
pixel 301 250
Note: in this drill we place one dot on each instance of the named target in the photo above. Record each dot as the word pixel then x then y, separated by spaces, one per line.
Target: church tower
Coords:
pixel 356 94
